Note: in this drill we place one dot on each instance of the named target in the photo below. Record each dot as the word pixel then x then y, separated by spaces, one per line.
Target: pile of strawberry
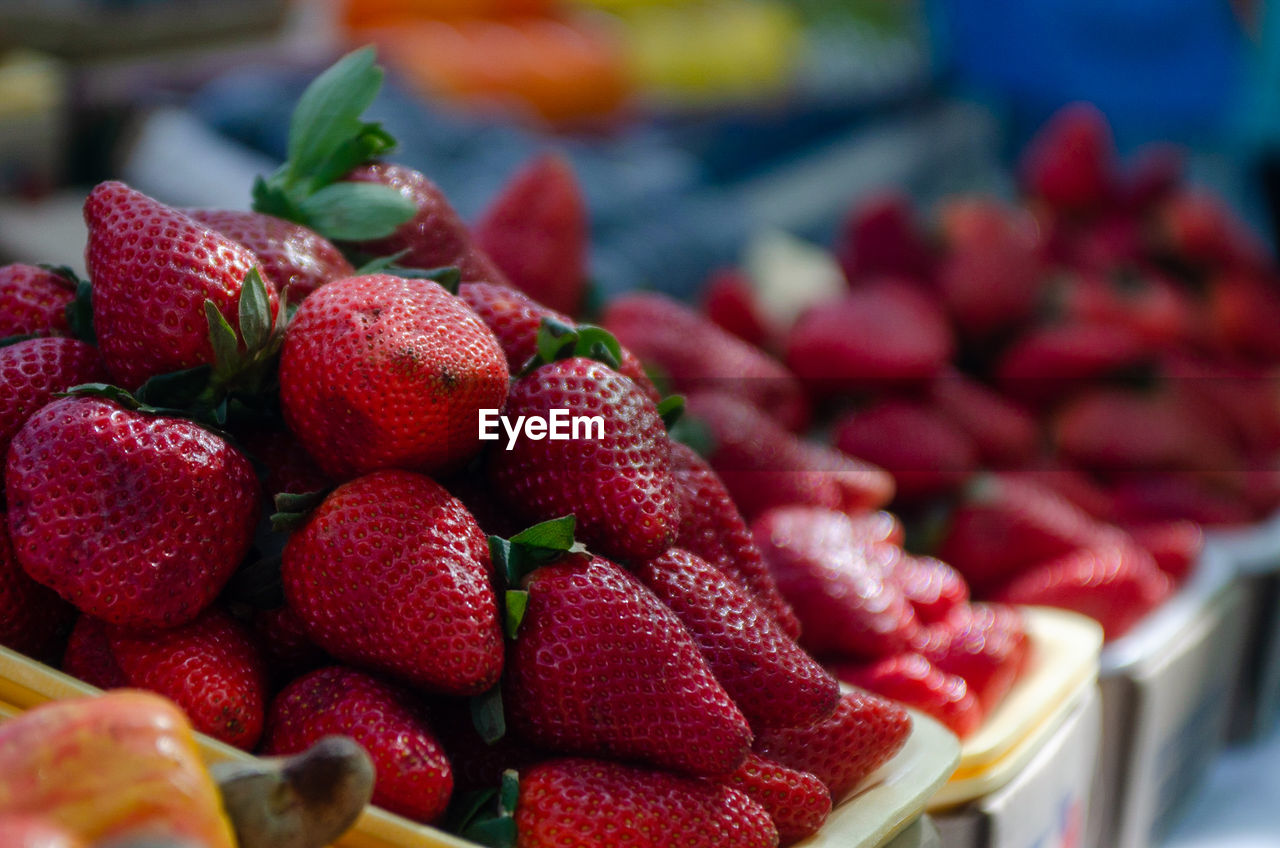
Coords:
pixel 247 474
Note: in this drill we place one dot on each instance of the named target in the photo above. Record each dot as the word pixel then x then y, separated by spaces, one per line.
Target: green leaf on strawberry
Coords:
pixel 13 340
pixel 497 830
pixel 487 715
pixel 448 276
pixel 558 340
pixel 528 550
pixel 79 311
pixel 671 410
pixel 293 509
pixel 515 602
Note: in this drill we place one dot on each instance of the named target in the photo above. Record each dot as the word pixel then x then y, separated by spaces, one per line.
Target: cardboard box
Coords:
pixel 1165 706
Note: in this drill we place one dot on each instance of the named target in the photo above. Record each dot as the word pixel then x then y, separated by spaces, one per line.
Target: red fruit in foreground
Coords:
pixel 616 480
pixel 392 573
pixel 383 372
pixel 601 667
pixel 536 232
pixel 913 680
pixel 933 587
pixel 414 778
pixel 798 802
pixel 986 644
pixel 297 260
pixel 33 301
pixel 927 455
pixel 842 750
pixel 773 681
pixel 845 604
pixel 1071 163
pixel 152 269
pixel 581 803
pixel 33 371
pixel 33 619
pixel 136 519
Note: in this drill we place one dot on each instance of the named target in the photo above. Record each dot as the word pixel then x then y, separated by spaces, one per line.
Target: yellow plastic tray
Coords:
pixel 1065 647
pixel 888 800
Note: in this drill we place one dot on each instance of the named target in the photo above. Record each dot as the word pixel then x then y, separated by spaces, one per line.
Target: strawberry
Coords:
pixel 153 268
pixel 137 519
pixel 878 528
pixel 1052 363
pixel 912 680
pixel 618 484
pixel 934 588
pixel 1071 163
pixel 515 318
pixel 1174 545
pixel 209 667
pixel 297 260
pixel 1004 523
pixel 696 355
pixel 845 604
pixel 773 681
pixel 798 802
pixel 382 372
pixel 986 644
pixel 1153 307
pixel 582 803
pixel 535 231
pixel 729 302
pixel 392 573
pixel 33 371
pixel 286 648
pixel 34 301
pixel 712 528
pixel 1116 584
pixel 765 466
pixel 637 687
pixel 884 333
pixel 842 750
pixel 927 455
pixel 33 619
pixel 1002 431
pixel 414 778
pixel 880 237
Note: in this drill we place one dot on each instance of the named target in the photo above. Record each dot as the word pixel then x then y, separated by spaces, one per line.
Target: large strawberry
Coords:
pixel 535 231
pixel 863 733
pixel 934 588
pixel 137 519
pixel 33 301
pixel 712 528
pixel 912 680
pixel 773 681
pixel 798 802
pixel 986 644
pixel 845 603
pixel 582 803
pixel 153 268
pixel 297 260
pixel 880 237
pixel 383 372
pixel 392 573
pixel 696 355
pixel 601 667
pixel 32 371
pixel 33 619
pixel 616 480
pixel 210 667
pixel 729 301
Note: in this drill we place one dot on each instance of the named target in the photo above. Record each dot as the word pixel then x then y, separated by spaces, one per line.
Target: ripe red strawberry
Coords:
pixel 696 355
pixel 581 803
pixel 383 372
pixel 152 269
pixel 1174 545
pixel 884 333
pixel 637 687
pixel 773 681
pixel 712 528
pixel 514 319
pixel 436 236
pixel 1116 584
pixel 33 301
pixel 32 371
pixel 618 485
pixel 535 231
pixel 934 588
pixel 1052 363
pixel 764 466
pixel 845 604
pixel 1004 433
pixel 392 573
pixel 912 680
pixel 414 778
pixel 136 519
pixel 1005 523
pixel 286 648
pixel 1071 163
pixel 881 237
pixel 729 302
pixel 210 667
pixel 986 644
pixel 33 619
pixel 927 455
pixel 797 801
pixel 863 733
pixel 297 260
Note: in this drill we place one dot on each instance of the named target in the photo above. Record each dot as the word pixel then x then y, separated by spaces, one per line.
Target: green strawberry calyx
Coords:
pixel 293 509
pixel 80 310
pixel 558 340
pixel 524 553
pixel 487 816
pixel 327 138
pixel 448 276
